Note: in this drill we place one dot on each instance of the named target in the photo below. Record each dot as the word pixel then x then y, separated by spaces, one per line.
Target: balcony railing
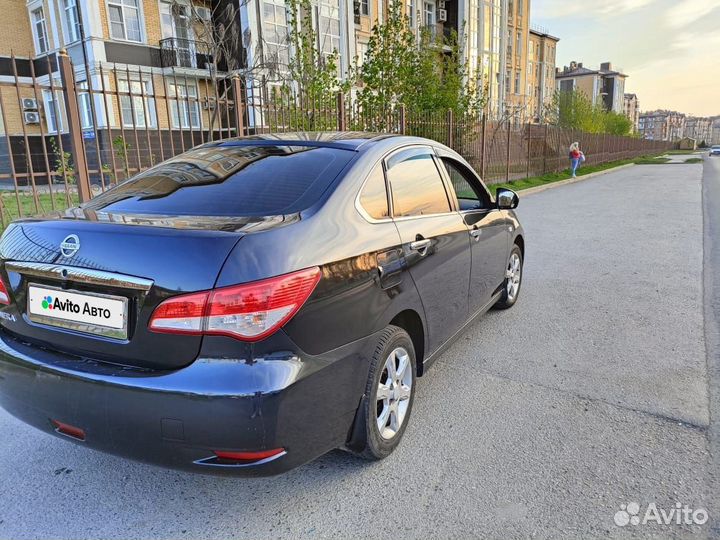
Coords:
pixel 187 53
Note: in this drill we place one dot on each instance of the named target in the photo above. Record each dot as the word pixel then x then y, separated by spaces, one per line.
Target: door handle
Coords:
pixel 421 246
pixel 475 233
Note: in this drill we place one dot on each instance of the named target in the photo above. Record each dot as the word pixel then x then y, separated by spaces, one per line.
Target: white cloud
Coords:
pixel 688 11
pixel 555 9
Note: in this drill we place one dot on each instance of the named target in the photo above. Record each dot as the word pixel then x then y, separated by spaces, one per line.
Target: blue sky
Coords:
pixel 669 48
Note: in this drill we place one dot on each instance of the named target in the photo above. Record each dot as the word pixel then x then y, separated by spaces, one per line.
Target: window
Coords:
pixel 429 12
pixel 72 21
pixel 362 49
pixel 329 27
pixel 508 81
pixel 374 196
pixel 517 82
pixel 137 110
pixel 53 112
pixel 411 13
pixel 518 44
pixel 242 180
pixel 184 105
pixel 567 85
pixel 275 32
pixel 86 115
pixel 40 30
pixel 365 8
pixel 417 187
pixel 125 20
pixel 469 197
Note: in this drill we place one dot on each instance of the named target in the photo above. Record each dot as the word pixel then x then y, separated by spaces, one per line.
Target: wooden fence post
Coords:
pixel 403 120
pixel 507 153
pixel 239 105
pixel 450 128
pixel 341 120
pixel 545 139
pixel 482 146
pixel 528 127
pixel 77 145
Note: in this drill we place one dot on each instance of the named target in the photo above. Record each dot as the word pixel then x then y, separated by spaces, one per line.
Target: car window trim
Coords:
pixel 388 186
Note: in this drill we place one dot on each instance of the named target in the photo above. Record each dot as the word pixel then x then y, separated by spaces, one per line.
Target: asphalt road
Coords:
pixel 592 392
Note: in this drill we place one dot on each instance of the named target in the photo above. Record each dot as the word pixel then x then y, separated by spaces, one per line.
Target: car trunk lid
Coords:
pixel 139 266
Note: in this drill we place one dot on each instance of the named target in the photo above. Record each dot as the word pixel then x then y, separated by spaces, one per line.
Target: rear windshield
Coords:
pixel 225 180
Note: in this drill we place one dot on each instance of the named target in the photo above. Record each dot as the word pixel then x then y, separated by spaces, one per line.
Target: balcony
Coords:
pixel 185 53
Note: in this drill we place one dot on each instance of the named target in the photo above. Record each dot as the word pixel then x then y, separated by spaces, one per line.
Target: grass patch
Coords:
pixel 694 160
pixel 10 209
pixel 549 178
pixel 659 160
pixel 680 152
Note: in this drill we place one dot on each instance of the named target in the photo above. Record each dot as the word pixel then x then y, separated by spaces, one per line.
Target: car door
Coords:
pixel 488 230
pixel 435 240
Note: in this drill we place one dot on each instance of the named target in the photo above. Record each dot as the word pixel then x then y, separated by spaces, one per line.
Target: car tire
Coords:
pixel 513 279
pixel 393 408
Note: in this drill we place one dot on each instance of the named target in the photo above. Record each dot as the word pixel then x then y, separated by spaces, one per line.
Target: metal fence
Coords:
pixel 70 131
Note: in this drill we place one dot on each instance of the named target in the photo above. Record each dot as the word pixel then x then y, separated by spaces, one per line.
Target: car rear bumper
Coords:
pixel 304 405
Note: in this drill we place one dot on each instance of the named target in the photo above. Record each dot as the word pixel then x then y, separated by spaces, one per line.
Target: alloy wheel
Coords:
pixel 513 275
pixel 393 393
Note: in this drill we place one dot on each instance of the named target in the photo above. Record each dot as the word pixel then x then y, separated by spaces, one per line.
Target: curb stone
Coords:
pixel 537 189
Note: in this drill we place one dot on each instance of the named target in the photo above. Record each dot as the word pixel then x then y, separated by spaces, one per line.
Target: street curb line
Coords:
pixel 537 189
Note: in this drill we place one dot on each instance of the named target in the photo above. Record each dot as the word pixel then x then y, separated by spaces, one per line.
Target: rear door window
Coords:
pixel 230 180
pixel 373 197
pixel 416 185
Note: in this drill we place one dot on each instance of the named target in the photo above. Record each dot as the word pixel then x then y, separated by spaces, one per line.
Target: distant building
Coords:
pixel 662 125
pixel 632 110
pixel 605 86
pixel 715 139
pixel 541 72
pixel 516 53
pixel 699 128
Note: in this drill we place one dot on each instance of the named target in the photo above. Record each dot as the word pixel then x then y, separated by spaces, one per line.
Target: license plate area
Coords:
pixel 90 313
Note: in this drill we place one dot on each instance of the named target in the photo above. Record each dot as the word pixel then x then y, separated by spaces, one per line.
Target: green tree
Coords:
pixel 439 80
pixel 387 67
pixel 617 124
pixel 426 75
pixel 574 109
pixel 312 79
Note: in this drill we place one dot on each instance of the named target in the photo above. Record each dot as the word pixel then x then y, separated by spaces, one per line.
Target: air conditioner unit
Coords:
pixel 204 13
pixel 441 4
pixel 442 15
pixel 31 117
pixel 29 104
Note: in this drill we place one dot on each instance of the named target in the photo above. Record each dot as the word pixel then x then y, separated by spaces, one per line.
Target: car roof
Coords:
pixel 347 140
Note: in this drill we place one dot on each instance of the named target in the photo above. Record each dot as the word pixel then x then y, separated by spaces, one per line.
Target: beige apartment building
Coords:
pixel 517 98
pixel 149 56
pixel 699 128
pixel 632 110
pixel 604 86
pixel 662 125
pixel 542 49
pixel 715 139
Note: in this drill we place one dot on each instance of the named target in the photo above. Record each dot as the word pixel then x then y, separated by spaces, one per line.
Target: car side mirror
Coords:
pixel 506 199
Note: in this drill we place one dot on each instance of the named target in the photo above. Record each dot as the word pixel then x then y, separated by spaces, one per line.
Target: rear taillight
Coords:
pixel 4 296
pixel 249 312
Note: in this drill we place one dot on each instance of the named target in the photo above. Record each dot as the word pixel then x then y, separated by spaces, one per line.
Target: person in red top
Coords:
pixel 576 157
